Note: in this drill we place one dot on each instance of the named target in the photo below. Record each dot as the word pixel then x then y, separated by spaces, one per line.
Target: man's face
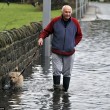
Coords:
pixel 67 13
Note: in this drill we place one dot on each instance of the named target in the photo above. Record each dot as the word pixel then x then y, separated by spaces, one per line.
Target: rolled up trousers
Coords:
pixel 62 65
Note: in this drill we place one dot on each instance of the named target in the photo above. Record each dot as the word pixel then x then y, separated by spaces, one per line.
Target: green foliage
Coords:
pixel 17 15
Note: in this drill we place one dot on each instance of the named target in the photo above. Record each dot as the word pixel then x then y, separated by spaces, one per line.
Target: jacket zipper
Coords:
pixel 64 39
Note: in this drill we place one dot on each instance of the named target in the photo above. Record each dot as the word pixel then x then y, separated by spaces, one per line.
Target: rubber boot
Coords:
pixel 56 82
pixel 66 81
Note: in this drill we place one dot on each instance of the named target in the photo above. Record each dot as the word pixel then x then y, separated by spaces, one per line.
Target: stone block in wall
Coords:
pixel 4 40
pixel 36 26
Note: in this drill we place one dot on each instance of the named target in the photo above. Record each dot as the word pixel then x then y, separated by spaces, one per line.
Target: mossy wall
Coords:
pixel 17 47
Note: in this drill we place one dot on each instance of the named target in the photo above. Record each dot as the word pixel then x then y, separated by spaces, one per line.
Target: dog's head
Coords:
pixel 12 80
pixel 14 77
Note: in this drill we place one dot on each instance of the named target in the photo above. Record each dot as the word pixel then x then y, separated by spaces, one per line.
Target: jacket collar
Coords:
pixel 64 20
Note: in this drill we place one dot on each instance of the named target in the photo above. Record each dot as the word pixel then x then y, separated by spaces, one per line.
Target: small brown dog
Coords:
pixel 16 79
pixel 13 81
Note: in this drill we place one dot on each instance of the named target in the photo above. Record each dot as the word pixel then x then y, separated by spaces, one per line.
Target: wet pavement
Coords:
pixel 90 81
pixel 97 11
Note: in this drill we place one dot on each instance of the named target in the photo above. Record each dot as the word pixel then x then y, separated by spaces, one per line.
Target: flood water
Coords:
pixel 90 81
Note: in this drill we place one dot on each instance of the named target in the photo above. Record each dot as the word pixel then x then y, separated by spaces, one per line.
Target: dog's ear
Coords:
pixel 16 69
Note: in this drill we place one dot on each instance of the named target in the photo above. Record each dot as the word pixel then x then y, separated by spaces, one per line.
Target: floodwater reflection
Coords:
pixel 61 101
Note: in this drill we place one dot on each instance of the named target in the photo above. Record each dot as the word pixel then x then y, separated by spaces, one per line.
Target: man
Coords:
pixel 66 35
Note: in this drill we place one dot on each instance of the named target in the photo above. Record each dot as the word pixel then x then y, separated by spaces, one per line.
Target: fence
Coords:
pixel 81 7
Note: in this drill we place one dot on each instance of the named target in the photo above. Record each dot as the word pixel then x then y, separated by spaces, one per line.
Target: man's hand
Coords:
pixel 40 42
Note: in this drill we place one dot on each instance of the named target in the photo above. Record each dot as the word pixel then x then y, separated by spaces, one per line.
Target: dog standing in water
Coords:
pixel 13 80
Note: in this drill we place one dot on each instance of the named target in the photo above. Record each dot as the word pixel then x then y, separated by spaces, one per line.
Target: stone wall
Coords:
pixel 17 47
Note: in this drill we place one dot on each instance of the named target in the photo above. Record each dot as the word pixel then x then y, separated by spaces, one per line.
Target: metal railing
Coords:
pixel 81 7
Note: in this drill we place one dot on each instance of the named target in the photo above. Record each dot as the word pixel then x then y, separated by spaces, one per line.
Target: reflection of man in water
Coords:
pixel 61 101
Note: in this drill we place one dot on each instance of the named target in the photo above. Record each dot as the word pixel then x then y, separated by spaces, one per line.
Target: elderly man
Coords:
pixel 66 35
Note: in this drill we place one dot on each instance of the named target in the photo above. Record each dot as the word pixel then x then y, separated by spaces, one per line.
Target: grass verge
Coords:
pixel 17 15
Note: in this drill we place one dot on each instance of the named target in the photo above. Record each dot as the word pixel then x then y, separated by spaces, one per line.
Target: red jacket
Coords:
pixel 66 35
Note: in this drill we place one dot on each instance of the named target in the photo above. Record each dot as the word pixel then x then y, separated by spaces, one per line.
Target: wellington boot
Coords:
pixel 66 81
pixel 56 82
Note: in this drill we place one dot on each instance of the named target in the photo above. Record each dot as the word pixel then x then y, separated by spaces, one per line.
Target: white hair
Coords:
pixel 66 6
